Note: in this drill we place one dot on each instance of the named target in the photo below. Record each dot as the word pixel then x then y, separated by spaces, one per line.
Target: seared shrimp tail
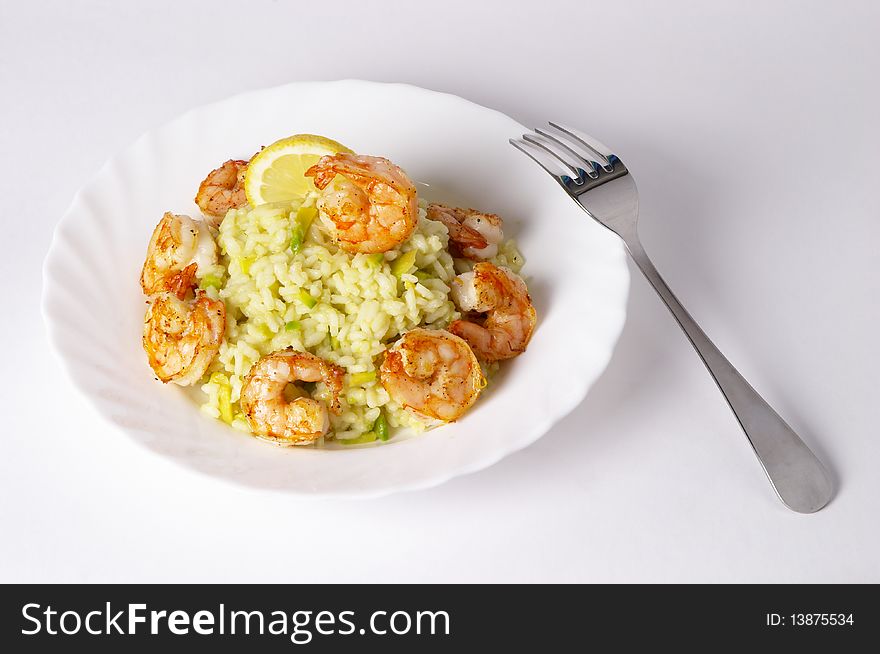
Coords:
pixel 508 317
pixel 301 420
pixel 178 247
pixel 370 202
pixel 181 337
pixel 433 373
pixel 222 190
pixel 473 234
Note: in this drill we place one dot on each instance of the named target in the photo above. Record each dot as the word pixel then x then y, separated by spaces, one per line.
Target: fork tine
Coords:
pixel 580 166
pixel 575 146
pixel 551 164
pixel 593 144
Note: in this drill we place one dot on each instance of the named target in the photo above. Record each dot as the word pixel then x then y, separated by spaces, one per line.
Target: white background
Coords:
pixel 752 129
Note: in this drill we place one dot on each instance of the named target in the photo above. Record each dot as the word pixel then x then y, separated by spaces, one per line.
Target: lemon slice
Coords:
pixel 277 173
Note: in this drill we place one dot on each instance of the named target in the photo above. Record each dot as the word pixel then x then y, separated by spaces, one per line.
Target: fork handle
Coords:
pixel 797 476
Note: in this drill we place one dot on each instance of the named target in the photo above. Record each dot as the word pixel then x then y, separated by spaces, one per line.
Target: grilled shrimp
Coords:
pixel 289 422
pixel 509 319
pixel 433 373
pixel 472 234
pixel 372 204
pixel 178 247
pixel 181 337
pixel 222 190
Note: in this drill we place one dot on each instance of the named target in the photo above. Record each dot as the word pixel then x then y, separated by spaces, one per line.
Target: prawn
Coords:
pixel 510 317
pixel 182 337
pixel 222 190
pixel 289 422
pixel 433 373
pixel 178 248
pixel 472 234
pixel 373 205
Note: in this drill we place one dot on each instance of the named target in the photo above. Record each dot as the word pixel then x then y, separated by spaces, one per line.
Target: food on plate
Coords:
pixel 432 373
pixel 273 414
pixel 505 316
pixel 277 173
pixel 320 300
pixel 182 337
pixel 222 190
pixel 178 247
pixel 473 234
pixel 370 202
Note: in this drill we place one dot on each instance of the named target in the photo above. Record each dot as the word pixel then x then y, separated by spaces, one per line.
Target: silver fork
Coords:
pixel 595 178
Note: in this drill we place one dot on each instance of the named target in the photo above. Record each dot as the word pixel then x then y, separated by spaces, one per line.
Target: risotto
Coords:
pixel 320 299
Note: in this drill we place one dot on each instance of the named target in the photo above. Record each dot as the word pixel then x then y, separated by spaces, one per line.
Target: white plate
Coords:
pixel 94 308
